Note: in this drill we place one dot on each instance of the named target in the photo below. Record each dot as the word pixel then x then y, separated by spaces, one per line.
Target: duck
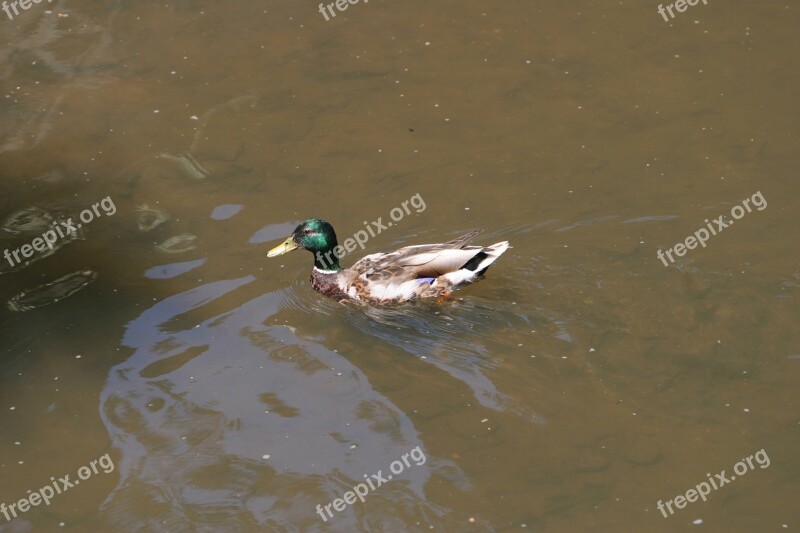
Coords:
pixel 412 272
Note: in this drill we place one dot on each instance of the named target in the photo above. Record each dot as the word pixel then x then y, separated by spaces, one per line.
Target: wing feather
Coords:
pixel 393 275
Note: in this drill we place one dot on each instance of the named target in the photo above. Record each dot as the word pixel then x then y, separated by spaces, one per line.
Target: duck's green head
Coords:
pixel 316 236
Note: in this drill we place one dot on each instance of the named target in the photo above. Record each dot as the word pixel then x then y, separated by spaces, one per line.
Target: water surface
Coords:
pixel 576 386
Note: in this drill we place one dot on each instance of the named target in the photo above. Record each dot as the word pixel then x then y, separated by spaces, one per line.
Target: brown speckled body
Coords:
pixel 421 271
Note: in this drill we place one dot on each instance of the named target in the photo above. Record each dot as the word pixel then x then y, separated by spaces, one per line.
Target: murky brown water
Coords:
pixel 576 386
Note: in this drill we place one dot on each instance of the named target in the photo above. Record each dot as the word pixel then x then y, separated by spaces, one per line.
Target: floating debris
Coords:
pixel 149 218
pixel 177 244
pixel 52 292
pixel 188 164
pixel 26 220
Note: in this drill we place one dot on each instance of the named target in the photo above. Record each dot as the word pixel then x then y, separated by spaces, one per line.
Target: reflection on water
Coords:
pixel 454 339
pixel 173 269
pixel 281 420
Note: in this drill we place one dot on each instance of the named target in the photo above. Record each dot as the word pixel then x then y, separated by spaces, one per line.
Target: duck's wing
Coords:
pixel 399 274
pixel 421 261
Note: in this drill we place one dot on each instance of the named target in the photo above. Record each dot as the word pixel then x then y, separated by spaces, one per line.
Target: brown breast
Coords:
pixel 327 284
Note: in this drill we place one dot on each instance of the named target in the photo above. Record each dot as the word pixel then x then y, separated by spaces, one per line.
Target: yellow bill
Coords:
pixel 286 246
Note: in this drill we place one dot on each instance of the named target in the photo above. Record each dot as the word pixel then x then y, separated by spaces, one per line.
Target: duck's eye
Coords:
pixel 307 231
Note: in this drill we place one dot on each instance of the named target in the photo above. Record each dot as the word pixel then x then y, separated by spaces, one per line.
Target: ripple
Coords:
pixel 178 244
pixel 50 293
pixel 30 219
pixel 148 218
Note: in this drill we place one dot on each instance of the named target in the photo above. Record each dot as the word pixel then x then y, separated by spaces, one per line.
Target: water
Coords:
pixel 572 389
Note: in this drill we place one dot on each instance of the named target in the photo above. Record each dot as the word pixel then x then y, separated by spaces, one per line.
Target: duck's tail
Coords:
pixel 477 265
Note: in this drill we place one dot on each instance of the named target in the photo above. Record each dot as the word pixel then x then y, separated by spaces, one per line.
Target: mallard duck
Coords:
pixel 421 271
